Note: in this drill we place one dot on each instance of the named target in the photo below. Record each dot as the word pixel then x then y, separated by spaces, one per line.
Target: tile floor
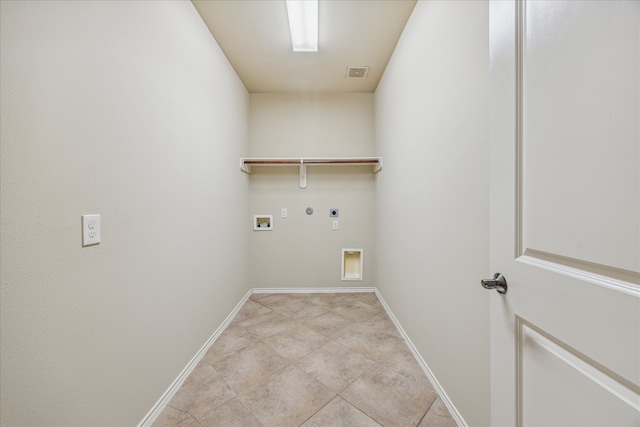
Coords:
pixel 324 359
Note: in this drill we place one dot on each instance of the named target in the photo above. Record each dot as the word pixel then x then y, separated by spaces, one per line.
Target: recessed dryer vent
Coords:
pixel 351 264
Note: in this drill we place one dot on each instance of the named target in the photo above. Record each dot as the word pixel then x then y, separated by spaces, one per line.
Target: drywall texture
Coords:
pixel 131 111
pixel 432 231
pixel 303 250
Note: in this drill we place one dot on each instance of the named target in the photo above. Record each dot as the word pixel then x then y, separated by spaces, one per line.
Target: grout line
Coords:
pixel 361 411
pixel 320 409
pixel 428 409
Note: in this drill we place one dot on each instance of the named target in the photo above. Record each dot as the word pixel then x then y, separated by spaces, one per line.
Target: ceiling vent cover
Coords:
pixel 357 72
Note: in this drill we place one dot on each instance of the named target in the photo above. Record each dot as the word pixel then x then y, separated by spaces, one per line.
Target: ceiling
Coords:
pixel 254 35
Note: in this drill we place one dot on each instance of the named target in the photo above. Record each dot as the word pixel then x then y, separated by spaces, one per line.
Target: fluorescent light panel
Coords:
pixel 303 22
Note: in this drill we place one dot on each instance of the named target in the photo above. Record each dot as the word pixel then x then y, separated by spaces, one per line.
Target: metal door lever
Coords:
pixel 499 283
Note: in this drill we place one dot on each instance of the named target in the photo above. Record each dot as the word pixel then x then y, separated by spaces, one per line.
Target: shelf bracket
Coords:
pixel 303 174
pixel 244 167
pixel 378 166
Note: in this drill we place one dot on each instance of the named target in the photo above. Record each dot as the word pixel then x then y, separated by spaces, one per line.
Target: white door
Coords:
pixel 565 216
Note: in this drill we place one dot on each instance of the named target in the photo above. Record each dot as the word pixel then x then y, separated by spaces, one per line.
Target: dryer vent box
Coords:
pixel 352 264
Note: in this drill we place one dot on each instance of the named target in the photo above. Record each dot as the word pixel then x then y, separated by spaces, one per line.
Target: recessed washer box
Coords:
pixel 352 264
pixel 263 222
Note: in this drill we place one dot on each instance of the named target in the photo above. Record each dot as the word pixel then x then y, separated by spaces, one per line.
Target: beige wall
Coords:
pixel 303 250
pixel 432 197
pixel 131 111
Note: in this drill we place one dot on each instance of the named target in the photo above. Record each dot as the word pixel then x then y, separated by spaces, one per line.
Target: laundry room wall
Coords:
pixel 128 110
pixel 303 250
pixel 432 228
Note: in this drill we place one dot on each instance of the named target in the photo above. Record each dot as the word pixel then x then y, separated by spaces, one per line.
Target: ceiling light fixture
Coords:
pixel 303 23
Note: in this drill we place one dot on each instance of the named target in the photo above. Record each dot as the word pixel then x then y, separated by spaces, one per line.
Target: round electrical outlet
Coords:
pixel 309 211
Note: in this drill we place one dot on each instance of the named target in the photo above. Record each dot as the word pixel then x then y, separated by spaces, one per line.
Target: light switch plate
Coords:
pixel 90 230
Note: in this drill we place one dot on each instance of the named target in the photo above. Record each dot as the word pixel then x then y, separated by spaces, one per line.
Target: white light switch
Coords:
pixel 336 225
pixel 90 230
pixel 283 213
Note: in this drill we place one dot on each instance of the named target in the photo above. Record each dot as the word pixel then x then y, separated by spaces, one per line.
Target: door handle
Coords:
pixel 499 283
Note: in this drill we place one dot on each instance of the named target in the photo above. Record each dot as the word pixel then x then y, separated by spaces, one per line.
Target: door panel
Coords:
pixel 550 371
pixel 565 212
pixel 580 131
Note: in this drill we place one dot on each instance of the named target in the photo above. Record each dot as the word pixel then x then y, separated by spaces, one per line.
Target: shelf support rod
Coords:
pixel 303 174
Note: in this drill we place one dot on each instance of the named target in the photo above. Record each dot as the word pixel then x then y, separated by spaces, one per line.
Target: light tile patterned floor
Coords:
pixel 323 359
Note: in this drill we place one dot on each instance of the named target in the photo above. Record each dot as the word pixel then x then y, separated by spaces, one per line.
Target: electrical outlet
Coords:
pixel 336 225
pixel 91 230
pixel 283 213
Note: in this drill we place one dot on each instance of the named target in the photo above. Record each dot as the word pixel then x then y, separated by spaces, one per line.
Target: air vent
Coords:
pixel 357 72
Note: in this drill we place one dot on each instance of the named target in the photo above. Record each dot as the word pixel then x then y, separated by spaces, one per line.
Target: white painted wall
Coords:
pixel 303 250
pixel 431 112
pixel 128 110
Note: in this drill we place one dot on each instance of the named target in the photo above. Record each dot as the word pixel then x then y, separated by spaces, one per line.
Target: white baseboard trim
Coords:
pixel 312 290
pixel 155 411
pixel 427 371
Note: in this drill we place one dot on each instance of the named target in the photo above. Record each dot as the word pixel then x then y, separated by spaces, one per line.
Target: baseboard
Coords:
pixel 155 411
pixel 427 371
pixel 333 290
